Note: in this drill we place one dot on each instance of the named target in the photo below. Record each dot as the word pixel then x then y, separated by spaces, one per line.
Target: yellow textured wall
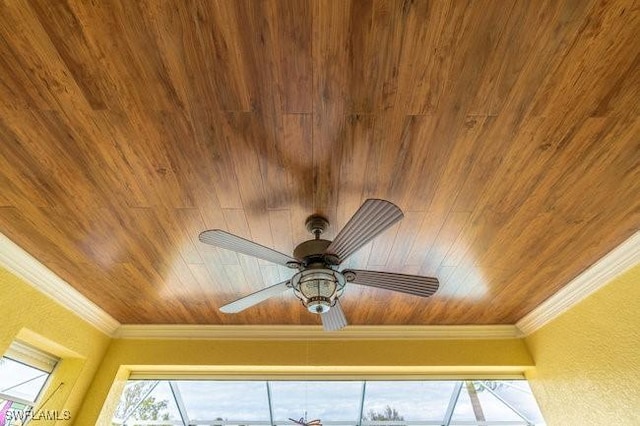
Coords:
pixel 30 316
pixel 588 359
pixel 357 358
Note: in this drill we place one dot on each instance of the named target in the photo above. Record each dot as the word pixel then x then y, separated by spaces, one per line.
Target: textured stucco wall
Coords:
pixel 28 315
pixel 588 359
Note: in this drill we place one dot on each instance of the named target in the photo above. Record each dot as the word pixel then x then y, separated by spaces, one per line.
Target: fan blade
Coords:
pixel 254 298
pixel 411 284
pixel 371 219
pixel 225 240
pixel 334 319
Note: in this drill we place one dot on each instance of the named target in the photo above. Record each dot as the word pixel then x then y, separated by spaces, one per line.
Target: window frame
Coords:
pixel 37 359
pixel 459 387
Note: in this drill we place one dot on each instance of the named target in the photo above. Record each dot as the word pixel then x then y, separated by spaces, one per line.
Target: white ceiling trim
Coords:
pixel 601 273
pixel 289 332
pixel 34 273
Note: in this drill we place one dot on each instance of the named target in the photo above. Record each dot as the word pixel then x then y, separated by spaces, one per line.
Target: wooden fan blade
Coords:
pixel 371 219
pixel 223 239
pixel 254 298
pixel 333 320
pixel 416 285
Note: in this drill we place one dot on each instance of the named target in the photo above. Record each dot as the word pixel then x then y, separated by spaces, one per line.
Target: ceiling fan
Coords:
pixel 318 282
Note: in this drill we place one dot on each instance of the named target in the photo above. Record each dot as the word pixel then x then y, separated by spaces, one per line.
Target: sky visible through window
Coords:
pixel 20 380
pixel 215 402
pixel 20 386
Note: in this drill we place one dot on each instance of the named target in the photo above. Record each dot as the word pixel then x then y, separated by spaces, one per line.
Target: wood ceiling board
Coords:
pixel 508 132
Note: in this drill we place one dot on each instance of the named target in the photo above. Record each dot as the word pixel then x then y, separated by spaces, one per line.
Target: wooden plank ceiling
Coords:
pixel 507 131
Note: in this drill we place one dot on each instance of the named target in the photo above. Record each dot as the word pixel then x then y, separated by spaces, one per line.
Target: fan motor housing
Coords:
pixel 313 251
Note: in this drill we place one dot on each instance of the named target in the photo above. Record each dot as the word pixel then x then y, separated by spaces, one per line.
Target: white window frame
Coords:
pixel 28 355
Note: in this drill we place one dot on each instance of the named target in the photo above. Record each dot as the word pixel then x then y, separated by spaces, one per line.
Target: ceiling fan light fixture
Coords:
pixel 318 289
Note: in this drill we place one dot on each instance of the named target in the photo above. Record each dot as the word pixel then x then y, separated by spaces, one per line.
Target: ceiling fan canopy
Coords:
pixel 318 282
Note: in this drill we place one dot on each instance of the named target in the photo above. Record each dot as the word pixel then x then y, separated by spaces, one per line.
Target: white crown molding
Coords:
pixel 34 273
pixel 288 332
pixel 601 273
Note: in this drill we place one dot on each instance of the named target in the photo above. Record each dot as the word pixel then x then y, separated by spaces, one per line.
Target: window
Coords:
pixel 344 403
pixel 24 372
